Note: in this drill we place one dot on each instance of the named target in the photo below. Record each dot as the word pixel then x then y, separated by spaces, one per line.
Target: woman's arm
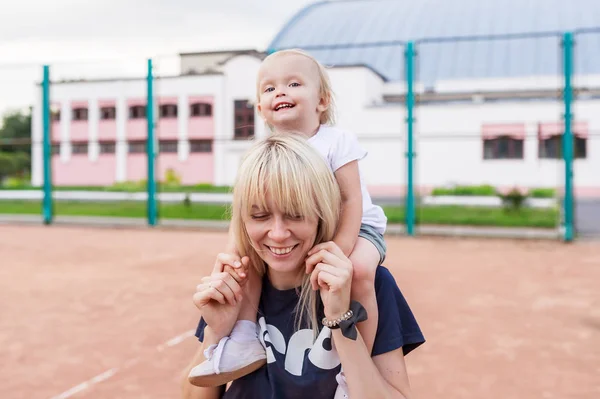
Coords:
pixel 190 391
pixel 216 299
pixel 383 376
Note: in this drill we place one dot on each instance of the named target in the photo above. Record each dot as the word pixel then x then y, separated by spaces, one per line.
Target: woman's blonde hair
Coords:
pixel 325 90
pixel 299 182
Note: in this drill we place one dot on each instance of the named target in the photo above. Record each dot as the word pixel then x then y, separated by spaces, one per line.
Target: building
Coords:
pixel 489 111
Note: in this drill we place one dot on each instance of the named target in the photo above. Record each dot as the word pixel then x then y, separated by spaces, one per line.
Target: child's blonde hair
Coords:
pixel 299 181
pixel 325 90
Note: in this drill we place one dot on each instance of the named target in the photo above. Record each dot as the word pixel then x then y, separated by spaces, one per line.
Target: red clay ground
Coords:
pixel 503 319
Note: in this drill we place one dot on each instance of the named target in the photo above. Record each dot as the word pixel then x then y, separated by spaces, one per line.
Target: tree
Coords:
pixel 15 132
pixel 15 144
pixel 7 165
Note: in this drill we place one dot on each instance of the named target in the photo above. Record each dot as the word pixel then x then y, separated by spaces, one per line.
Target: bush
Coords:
pixel 129 186
pixel 22 162
pixel 514 199
pixel 17 182
pixel 172 178
pixel 7 165
pixel 483 190
pixel 542 193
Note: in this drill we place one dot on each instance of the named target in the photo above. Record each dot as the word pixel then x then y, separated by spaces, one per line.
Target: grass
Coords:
pixel 130 187
pixel 483 190
pixel 441 215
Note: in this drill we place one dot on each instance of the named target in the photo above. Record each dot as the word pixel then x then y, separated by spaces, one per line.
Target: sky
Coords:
pixel 104 38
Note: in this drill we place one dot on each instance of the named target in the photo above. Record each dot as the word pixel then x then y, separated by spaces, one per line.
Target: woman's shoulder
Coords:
pixel 384 278
pixel 397 325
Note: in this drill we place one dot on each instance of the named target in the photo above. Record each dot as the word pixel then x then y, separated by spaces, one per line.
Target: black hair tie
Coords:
pixel 347 322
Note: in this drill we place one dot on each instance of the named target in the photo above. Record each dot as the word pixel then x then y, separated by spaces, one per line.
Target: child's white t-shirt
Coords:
pixel 340 147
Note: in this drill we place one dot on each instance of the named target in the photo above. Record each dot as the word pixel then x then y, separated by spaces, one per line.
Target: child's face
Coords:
pixel 288 87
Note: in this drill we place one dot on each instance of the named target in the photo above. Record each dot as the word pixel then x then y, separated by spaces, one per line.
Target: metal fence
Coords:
pixel 440 76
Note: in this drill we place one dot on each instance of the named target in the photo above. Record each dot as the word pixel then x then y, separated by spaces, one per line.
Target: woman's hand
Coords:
pixel 331 273
pixel 219 296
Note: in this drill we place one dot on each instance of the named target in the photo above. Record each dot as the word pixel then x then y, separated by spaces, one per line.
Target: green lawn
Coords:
pixel 131 187
pixel 443 215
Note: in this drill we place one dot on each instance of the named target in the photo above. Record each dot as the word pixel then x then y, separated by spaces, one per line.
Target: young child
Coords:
pixel 294 95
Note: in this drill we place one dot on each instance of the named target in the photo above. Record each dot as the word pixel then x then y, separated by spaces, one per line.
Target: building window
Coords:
pixel 108 113
pixel 136 147
pixel 55 149
pixel 200 146
pixel 503 147
pixel 79 148
pixel 552 147
pixel 107 147
pixel 80 114
pixel 167 146
pixel 200 109
pixel 55 116
pixel 137 112
pixel 243 120
pixel 168 111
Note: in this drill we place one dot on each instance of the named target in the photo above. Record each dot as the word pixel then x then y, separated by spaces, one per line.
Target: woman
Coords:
pixel 286 204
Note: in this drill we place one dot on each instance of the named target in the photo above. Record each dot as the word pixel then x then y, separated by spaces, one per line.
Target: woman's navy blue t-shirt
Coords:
pixel 300 367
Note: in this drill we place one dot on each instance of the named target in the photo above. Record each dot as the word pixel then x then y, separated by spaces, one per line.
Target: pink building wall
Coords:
pixel 79 130
pixel 167 128
pixel 55 125
pixel 136 129
pixel 136 167
pixel 80 171
pixel 107 128
pixel 201 127
pixel 198 168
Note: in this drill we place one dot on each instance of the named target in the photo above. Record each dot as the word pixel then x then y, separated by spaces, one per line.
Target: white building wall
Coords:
pixel 239 84
pixel 37 133
pixel 448 142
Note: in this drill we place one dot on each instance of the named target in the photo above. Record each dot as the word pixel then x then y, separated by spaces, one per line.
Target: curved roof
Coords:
pixel 390 23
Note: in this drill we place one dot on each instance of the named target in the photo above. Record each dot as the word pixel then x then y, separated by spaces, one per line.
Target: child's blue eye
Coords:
pixel 294 84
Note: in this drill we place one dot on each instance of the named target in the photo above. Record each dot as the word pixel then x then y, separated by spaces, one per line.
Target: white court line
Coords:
pixel 109 373
pixel 180 338
pixel 86 384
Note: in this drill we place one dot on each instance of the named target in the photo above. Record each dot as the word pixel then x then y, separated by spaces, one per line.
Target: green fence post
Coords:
pixel 567 142
pixel 410 103
pixel 47 207
pixel 151 186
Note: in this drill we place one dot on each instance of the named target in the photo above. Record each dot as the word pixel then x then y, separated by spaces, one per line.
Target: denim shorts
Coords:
pixel 376 238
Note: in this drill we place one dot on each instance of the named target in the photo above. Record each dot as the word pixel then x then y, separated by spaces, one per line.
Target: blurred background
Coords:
pixel 471 134
pixel 481 119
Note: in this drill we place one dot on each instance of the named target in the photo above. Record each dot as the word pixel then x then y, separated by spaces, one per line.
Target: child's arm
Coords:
pixel 348 180
pixel 237 272
pixel 230 247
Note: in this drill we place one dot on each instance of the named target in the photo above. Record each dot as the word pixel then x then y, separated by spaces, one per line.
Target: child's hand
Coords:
pixel 237 268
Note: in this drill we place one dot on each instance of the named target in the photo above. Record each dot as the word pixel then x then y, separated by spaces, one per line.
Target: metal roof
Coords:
pixel 336 33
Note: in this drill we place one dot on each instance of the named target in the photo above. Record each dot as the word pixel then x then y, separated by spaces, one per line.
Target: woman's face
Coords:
pixel 281 240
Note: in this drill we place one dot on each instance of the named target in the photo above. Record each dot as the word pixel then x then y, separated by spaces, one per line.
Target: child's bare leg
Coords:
pixel 251 291
pixel 365 259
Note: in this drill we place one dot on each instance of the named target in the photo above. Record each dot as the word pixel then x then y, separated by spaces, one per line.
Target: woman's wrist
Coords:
pixel 336 313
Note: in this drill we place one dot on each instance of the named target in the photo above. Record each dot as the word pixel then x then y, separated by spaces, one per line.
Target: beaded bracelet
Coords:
pixel 336 323
pixel 347 321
